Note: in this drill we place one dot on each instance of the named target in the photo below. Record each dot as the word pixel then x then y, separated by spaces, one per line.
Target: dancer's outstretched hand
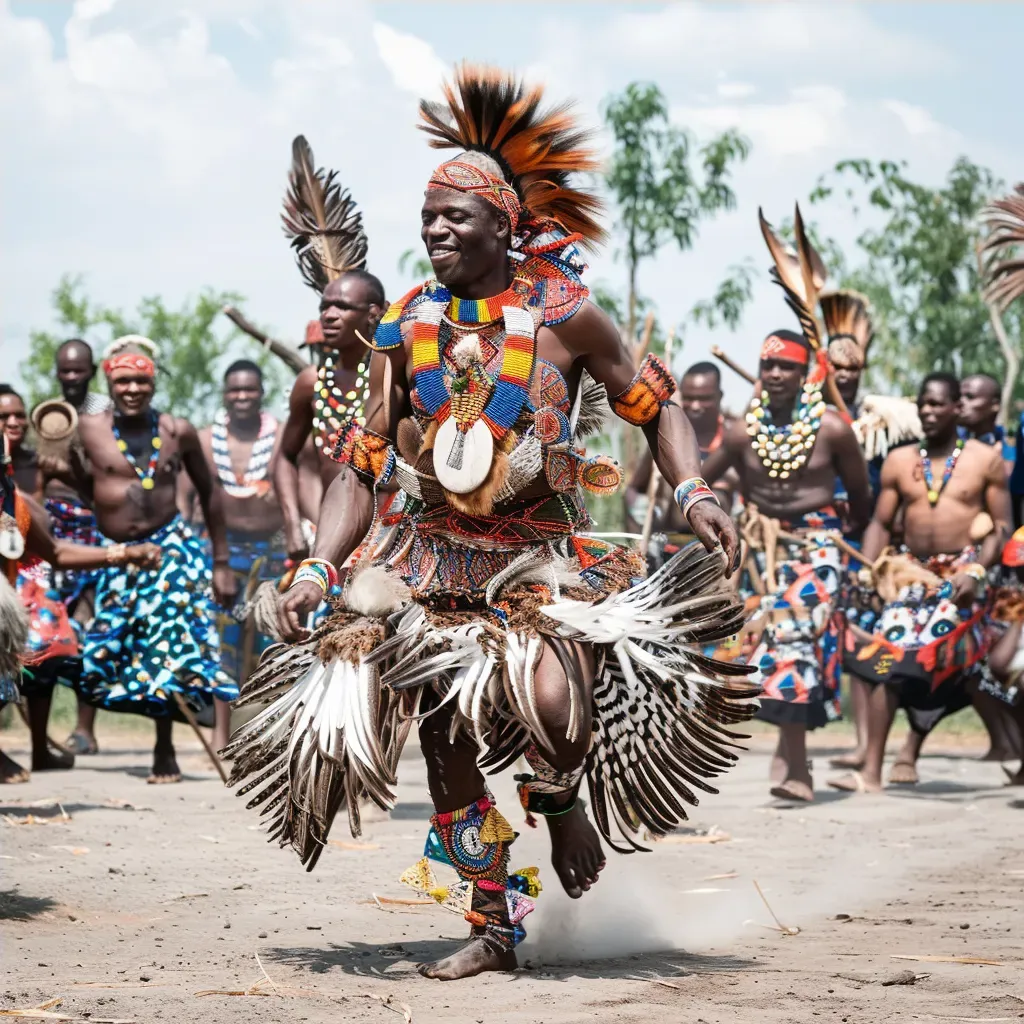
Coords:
pixel 712 525
pixel 225 586
pixel 294 607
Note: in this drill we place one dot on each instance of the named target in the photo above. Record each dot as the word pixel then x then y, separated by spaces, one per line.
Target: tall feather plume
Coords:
pixel 847 314
pixel 321 220
pixel 489 111
pixel 800 274
pixel 1003 249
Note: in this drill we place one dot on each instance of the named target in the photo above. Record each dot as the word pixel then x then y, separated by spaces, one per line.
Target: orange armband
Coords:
pixel 648 391
pixel 371 456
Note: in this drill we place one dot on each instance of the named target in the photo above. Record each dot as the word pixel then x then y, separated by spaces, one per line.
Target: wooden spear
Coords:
pixel 281 349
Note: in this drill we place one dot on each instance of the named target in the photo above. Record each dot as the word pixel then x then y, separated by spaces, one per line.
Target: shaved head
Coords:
pixel 75 369
pixel 980 400
pixel 982 383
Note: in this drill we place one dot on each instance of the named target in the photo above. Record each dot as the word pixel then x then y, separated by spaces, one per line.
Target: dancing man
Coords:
pixel 351 304
pixel 240 449
pixel 479 604
pixel 790 452
pixel 930 634
pixel 153 639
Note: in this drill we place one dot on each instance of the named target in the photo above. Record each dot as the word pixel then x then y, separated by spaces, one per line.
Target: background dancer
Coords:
pixel 484 543
pixel 351 304
pixel 700 393
pixel 71 518
pixel 930 634
pixel 153 634
pixel 240 449
pixel 795 629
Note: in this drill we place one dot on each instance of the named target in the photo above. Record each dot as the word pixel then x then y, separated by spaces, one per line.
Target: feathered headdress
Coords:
pixel 1004 248
pixel 848 324
pixel 489 111
pixel 321 219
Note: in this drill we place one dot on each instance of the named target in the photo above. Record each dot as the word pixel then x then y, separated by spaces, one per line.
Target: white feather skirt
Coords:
pixel 341 705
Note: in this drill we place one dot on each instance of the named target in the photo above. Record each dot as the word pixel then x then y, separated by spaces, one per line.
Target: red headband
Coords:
pixel 463 177
pixel 775 347
pixel 133 362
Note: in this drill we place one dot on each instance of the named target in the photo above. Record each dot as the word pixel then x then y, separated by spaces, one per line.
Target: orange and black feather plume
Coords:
pixel 490 111
pixel 1003 248
pixel 321 220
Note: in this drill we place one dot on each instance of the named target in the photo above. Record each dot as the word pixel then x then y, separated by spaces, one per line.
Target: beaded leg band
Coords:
pixel 547 791
pixel 475 841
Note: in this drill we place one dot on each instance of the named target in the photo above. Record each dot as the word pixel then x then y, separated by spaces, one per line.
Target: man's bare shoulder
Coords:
pixel 984 456
pixel 588 330
pixel 834 424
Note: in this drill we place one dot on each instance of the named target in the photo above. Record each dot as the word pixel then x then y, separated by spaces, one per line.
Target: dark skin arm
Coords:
pixel 64 554
pixel 595 340
pixel 347 512
pixel 72 471
pixel 850 467
pixel 286 468
pixel 210 495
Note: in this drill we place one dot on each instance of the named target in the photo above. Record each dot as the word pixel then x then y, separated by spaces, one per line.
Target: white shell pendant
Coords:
pixel 12 544
pixel 462 461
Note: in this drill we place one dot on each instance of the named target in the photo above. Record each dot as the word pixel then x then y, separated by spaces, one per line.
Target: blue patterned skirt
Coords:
pixel 154 633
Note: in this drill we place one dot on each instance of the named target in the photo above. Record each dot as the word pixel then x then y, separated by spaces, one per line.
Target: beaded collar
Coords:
pixel 332 407
pixel 246 484
pixel 785 450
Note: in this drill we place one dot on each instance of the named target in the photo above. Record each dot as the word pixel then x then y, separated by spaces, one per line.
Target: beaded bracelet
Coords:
pixel 690 491
pixel 318 571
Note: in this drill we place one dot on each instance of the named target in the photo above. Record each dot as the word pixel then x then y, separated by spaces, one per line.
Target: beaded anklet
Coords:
pixel 545 791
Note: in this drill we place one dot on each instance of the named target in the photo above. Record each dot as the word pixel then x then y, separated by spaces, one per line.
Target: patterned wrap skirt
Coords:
pixel 154 633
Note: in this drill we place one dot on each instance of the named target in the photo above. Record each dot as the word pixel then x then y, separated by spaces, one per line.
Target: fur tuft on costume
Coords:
pixel 490 111
pixel 848 324
pixel 322 221
pixel 374 592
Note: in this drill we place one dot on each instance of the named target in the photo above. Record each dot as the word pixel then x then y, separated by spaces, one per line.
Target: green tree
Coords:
pixel 654 179
pixel 415 264
pixel 195 343
pixel 920 269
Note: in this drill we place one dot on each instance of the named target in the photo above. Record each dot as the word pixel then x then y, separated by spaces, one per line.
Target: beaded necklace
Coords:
pixel 947 472
pixel 146 476
pixel 242 485
pixel 785 450
pixel 509 393
pixel 332 407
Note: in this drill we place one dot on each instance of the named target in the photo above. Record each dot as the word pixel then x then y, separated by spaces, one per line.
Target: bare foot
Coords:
pixel 576 853
pixel 854 759
pixel 10 771
pixel 165 769
pixel 903 774
pixel 793 789
pixel 475 957
pixel 855 782
pixel 52 759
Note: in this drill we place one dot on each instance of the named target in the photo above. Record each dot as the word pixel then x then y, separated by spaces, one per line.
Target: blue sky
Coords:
pixel 151 140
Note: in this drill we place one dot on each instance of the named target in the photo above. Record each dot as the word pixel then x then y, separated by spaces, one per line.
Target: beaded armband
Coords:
pixel 370 455
pixel 648 391
pixel 318 571
pixel 689 492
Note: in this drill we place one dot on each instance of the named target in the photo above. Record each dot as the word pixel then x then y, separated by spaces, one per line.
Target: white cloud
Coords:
pixel 413 64
pixel 918 121
pixel 735 90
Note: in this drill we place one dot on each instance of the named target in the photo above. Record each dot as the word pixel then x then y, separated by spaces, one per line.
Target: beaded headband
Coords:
pixel 133 362
pixel 463 177
pixel 775 347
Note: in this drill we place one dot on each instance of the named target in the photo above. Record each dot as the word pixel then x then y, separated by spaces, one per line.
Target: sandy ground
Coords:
pixel 147 897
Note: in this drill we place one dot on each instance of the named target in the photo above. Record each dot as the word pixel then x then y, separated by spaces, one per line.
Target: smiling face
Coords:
pixel 14 420
pixel 938 410
pixel 243 394
pixel 131 392
pixel 467 239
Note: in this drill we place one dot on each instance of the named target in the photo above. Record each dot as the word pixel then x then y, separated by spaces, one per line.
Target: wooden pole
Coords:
pixel 191 719
pixel 645 340
pixel 735 367
pixel 283 351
